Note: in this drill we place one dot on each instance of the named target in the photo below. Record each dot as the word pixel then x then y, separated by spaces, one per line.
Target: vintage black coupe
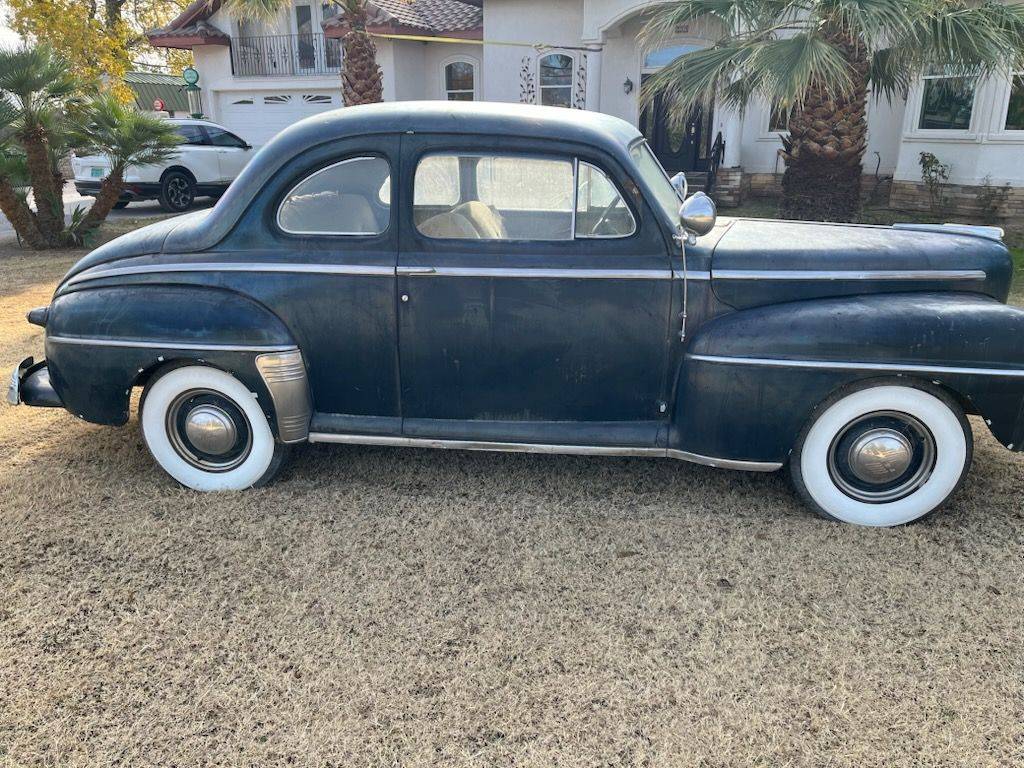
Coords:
pixel 503 277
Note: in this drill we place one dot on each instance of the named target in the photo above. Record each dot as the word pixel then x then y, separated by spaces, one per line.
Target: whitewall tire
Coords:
pixel 206 430
pixel 882 454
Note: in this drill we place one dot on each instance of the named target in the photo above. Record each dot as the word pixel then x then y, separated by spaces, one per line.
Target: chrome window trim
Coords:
pixel 142 344
pixel 277 216
pixel 99 273
pixel 858 366
pixel 881 274
pixel 573 450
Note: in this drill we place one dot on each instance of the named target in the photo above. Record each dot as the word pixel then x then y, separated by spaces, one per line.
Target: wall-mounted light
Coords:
pixel 627 86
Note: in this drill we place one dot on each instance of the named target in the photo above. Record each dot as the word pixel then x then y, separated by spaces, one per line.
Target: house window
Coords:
pixel 556 80
pixel 778 120
pixel 459 81
pixel 1015 112
pixel 665 56
pixel 947 103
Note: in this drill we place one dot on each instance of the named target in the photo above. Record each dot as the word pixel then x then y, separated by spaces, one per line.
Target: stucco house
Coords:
pixel 585 54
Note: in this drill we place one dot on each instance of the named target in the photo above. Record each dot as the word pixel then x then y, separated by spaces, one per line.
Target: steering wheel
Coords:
pixel 604 216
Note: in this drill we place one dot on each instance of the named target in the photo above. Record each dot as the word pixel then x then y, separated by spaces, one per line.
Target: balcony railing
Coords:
pixel 278 55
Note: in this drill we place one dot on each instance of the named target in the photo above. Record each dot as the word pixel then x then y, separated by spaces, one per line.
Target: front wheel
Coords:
pixel 177 192
pixel 883 455
pixel 205 429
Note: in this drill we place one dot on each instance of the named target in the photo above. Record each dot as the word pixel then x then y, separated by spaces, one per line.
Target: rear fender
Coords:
pixel 750 380
pixel 102 342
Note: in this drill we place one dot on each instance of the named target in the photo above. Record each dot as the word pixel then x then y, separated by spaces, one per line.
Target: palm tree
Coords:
pixel 819 59
pixel 44 116
pixel 36 88
pixel 361 81
pixel 126 137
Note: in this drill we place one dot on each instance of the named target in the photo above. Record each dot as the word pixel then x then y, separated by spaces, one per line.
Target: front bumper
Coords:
pixel 30 385
pixel 131 191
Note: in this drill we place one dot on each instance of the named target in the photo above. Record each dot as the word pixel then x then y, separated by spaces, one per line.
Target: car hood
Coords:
pixel 759 261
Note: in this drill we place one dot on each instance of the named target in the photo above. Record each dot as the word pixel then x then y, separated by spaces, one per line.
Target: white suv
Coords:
pixel 209 159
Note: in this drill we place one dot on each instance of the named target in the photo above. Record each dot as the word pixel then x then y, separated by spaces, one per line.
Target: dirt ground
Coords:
pixel 396 607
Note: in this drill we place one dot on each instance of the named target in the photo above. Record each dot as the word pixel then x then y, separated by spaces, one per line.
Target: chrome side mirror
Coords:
pixel 679 185
pixel 697 214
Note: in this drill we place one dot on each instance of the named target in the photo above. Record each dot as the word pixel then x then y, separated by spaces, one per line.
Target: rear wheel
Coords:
pixel 205 429
pixel 177 192
pixel 883 455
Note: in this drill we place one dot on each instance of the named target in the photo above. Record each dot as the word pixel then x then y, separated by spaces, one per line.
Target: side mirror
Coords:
pixel 679 184
pixel 697 214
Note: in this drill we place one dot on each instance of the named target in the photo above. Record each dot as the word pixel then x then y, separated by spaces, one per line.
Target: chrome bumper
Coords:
pixel 30 384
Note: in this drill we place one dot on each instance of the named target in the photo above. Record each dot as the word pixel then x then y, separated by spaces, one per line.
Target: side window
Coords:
pixel 494 197
pixel 346 198
pixel 221 138
pixel 600 209
pixel 191 134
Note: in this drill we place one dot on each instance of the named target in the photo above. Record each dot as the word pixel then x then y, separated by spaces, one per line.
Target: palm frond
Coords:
pixel 125 135
pixel 258 10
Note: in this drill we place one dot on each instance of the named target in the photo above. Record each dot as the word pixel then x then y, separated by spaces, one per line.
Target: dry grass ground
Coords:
pixel 388 607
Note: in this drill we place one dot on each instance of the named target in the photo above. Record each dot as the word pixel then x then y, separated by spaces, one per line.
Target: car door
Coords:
pixel 232 152
pixel 534 296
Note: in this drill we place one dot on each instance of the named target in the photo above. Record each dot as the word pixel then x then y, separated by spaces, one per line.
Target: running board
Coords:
pixel 574 450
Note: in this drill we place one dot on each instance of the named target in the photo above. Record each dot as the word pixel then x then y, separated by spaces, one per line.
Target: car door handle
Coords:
pixel 416 270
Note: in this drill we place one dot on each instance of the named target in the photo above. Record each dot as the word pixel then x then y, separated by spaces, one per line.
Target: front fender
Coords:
pixel 101 342
pixel 751 379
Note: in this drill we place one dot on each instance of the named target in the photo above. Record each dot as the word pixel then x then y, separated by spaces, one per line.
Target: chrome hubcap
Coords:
pixel 211 430
pixel 882 457
pixel 208 430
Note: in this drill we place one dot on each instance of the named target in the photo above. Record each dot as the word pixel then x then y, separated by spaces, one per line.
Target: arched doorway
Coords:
pixel 680 146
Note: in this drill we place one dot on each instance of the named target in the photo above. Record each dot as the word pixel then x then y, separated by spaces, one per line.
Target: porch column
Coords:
pixel 593 81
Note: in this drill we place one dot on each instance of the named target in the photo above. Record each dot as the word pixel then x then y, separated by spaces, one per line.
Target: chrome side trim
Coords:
pixel 284 374
pixel 710 461
pixel 140 344
pixel 99 273
pixel 539 272
pixel 881 274
pixel 853 366
pixel 573 450
pixel 690 274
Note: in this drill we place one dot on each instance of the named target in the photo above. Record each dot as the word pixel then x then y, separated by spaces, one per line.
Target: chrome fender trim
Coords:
pixel 572 450
pixel 284 374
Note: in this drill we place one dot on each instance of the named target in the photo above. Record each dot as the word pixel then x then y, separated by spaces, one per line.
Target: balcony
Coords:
pixel 285 55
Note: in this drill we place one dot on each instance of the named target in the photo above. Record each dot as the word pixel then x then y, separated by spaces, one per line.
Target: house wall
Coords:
pixel 528 22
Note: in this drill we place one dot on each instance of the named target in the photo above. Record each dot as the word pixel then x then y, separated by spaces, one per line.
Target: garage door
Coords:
pixel 258 117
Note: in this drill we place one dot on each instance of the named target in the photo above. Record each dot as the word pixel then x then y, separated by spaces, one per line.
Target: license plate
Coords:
pixel 98 173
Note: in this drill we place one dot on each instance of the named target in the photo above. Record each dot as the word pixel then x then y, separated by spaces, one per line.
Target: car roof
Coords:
pixel 480 117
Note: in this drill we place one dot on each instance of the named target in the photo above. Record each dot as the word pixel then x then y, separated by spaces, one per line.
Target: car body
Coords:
pixel 508 277
pixel 210 157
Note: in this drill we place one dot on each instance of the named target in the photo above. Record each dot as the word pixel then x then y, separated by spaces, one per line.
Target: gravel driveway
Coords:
pixel 398 607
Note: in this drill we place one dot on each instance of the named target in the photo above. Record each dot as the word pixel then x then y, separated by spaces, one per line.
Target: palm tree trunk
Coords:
pixel 825 146
pixel 361 81
pixel 110 191
pixel 20 215
pixel 49 210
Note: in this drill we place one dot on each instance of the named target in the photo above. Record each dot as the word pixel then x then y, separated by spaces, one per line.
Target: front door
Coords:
pixel 679 146
pixel 534 302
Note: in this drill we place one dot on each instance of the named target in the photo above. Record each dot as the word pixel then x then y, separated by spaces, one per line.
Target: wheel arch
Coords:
pixel 180 168
pixel 97 357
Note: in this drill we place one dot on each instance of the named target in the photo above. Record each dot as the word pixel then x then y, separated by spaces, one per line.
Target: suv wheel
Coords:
pixel 177 192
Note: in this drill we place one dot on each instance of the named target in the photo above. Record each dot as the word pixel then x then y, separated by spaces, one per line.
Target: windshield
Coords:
pixel 656 179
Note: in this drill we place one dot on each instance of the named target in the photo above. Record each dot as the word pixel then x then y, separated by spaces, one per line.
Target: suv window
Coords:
pixel 351 197
pixel 191 134
pixel 221 138
pixel 516 197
